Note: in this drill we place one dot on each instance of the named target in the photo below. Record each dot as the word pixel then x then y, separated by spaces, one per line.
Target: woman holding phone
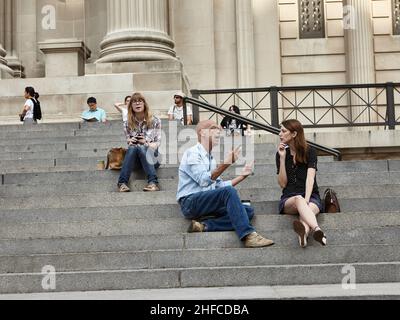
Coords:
pixel 143 134
pixel 297 167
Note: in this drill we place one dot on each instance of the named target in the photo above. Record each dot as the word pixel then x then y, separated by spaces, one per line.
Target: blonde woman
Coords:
pixel 143 134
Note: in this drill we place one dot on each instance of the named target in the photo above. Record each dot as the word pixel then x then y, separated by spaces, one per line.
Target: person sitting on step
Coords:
pixel 296 162
pixel 143 133
pixel 123 109
pixel 234 127
pixel 201 191
pixel 94 114
pixel 176 112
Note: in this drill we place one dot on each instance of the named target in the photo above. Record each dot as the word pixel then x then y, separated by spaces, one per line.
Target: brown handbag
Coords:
pixel 115 158
pixel 331 202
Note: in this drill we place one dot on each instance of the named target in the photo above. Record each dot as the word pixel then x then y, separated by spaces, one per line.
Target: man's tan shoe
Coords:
pixel 152 188
pixel 196 227
pixel 254 240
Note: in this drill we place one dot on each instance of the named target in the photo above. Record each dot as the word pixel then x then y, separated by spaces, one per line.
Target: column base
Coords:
pixel 133 46
pixel 16 66
pixel 5 70
pixel 65 57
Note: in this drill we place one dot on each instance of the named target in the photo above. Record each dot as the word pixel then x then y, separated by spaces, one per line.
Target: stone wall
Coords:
pixel 312 61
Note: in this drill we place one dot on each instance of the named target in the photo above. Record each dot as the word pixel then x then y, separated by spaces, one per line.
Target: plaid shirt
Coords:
pixel 152 135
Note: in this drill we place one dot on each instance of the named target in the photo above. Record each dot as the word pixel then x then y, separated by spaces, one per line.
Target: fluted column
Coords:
pixel 245 43
pixel 8 25
pixel 137 31
pixel 360 54
pixel 3 62
pixel 9 29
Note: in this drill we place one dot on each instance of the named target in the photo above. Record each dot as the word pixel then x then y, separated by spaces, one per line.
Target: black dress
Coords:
pixel 227 121
pixel 297 178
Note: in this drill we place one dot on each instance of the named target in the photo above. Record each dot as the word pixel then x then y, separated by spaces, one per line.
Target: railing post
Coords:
pixel 195 109
pixel 185 121
pixel 274 107
pixel 390 111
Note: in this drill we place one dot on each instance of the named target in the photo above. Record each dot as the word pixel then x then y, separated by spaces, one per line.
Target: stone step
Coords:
pixel 63 174
pixel 200 258
pixel 99 133
pixel 40 143
pixel 178 225
pixel 365 291
pixel 247 191
pixel 53 154
pixel 216 240
pixel 283 238
pixel 303 274
pixel 110 125
pixel 267 169
pixel 109 199
pixel 101 150
pixel 33 142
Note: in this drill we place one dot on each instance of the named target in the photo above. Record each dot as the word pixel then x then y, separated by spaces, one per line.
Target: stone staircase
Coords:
pixel 58 209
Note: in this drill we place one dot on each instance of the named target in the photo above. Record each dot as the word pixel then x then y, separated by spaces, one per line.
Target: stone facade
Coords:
pixel 203 44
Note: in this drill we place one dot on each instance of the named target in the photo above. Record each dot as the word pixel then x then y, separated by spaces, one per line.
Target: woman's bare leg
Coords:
pixel 307 212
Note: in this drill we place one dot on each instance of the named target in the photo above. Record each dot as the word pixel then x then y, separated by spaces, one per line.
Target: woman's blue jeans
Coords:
pixel 139 157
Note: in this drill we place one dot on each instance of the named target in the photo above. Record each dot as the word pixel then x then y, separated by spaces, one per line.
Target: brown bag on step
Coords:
pixel 331 202
pixel 115 158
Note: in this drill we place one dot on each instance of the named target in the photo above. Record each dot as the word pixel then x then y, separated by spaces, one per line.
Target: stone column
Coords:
pixel 4 69
pixel 10 27
pixel 360 54
pixel 245 43
pixel 137 31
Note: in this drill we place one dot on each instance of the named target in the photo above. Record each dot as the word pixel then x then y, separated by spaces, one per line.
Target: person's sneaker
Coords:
pixel 152 188
pixel 123 188
pixel 254 240
pixel 196 227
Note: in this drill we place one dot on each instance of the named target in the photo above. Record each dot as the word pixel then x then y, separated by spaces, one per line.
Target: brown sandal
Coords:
pixel 301 231
pixel 320 237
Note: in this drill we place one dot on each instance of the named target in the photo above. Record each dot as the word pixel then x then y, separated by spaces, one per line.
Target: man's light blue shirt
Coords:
pixel 195 173
pixel 99 114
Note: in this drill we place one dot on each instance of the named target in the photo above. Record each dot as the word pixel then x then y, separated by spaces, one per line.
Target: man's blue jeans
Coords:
pixel 136 157
pixel 223 203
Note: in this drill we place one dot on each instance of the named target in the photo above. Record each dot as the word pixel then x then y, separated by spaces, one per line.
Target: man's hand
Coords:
pixel 233 156
pixel 248 169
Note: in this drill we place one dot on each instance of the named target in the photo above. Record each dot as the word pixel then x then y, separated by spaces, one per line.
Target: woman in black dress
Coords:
pixel 231 124
pixel 297 167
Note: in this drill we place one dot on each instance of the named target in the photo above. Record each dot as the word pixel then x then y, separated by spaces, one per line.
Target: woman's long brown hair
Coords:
pixel 147 114
pixel 300 144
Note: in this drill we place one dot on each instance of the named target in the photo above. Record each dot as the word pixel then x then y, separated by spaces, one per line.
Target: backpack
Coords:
pixel 115 158
pixel 37 111
pixel 331 202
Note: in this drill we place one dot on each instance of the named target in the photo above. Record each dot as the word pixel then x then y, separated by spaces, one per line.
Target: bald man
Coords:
pixel 201 191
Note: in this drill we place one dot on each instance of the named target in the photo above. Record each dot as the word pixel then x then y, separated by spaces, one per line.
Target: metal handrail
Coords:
pixel 255 124
pixel 330 107
pixel 297 88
